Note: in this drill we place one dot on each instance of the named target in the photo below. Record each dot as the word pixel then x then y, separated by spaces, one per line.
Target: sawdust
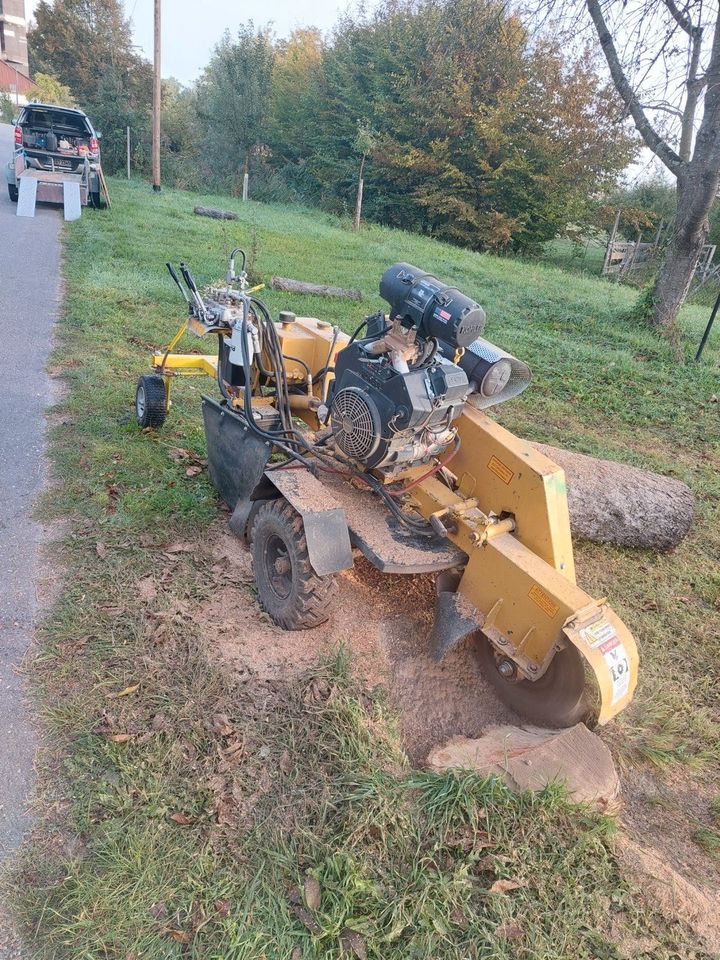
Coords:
pixel 383 620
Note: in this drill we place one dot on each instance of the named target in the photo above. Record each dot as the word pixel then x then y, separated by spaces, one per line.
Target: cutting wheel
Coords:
pixel 559 698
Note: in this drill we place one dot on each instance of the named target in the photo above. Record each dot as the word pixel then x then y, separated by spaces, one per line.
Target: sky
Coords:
pixel 191 28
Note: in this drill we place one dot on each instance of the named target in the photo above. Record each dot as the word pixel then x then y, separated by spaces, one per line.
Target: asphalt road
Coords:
pixel 29 296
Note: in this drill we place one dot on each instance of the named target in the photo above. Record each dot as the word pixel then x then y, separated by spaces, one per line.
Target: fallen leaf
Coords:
pixel 351 941
pixel 178 547
pixel 284 763
pixel 124 693
pixel 312 893
pixel 222 907
pixel 509 931
pixel 120 737
pixel 193 471
pixel 650 605
pixel 179 936
pixel 158 910
pixel 221 724
pixel 306 919
pixel 296 953
pixel 184 819
pixel 101 550
pixel 503 886
pixel 179 453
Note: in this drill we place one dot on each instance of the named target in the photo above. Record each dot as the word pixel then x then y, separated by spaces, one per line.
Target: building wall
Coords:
pixel 13 39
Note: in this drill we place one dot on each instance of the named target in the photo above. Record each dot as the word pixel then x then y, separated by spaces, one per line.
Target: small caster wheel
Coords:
pixel 151 401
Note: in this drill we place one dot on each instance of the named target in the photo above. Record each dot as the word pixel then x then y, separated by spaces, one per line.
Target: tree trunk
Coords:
pixel 689 236
pixel 612 502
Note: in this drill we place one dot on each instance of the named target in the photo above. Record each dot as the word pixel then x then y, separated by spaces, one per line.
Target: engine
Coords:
pixel 399 388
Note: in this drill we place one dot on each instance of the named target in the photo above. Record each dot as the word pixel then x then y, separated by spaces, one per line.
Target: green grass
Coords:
pixel 271 784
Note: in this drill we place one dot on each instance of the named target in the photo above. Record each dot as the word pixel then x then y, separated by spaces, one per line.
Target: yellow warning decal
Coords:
pixel 500 470
pixel 543 600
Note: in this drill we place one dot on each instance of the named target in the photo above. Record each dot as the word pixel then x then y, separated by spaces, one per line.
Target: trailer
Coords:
pixel 56 159
pixel 72 190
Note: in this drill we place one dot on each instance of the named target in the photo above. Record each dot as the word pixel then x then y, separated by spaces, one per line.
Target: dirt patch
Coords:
pixel 666 813
pixel 672 895
pixel 383 620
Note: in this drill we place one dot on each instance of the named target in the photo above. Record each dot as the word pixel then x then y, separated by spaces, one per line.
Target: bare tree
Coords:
pixel 664 59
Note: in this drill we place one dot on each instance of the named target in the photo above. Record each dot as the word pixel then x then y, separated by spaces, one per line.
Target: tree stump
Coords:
pixel 611 502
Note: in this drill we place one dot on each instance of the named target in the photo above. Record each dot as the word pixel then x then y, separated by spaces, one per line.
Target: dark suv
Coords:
pixel 56 139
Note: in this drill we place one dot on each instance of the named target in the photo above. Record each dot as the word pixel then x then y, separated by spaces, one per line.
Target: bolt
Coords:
pixel 506 668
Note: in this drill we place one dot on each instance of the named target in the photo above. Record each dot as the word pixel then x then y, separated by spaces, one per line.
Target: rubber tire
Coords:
pixel 154 409
pixel 13 193
pixel 310 597
pixel 96 200
pixel 557 699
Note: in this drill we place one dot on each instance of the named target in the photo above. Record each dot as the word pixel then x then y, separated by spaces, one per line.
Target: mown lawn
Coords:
pixel 190 813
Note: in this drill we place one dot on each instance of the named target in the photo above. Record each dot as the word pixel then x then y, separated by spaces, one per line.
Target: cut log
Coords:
pixel 611 502
pixel 215 214
pixel 320 289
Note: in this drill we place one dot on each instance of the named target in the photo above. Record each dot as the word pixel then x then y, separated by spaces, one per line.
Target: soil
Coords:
pixel 385 621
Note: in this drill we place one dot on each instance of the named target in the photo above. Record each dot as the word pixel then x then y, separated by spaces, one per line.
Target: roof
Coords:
pixel 35 104
pixel 9 77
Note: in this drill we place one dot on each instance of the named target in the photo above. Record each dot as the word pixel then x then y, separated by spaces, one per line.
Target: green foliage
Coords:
pixel 48 89
pixel 7 108
pixel 478 138
pixel 87 44
pixel 233 98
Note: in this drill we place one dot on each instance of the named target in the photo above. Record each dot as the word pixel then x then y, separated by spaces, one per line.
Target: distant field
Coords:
pixel 145 855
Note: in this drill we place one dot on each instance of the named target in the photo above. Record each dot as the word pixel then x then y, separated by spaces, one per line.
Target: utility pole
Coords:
pixel 156 103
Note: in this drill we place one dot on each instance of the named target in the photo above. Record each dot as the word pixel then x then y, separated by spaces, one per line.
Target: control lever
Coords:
pixel 192 287
pixel 176 278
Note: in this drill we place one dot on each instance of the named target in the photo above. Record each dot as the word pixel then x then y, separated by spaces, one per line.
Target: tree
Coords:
pixel 76 40
pixel 87 45
pixel 655 51
pixel 234 97
pixel 48 89
pixel 480 137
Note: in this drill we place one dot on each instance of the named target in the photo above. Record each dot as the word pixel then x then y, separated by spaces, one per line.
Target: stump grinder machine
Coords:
pixel 321 443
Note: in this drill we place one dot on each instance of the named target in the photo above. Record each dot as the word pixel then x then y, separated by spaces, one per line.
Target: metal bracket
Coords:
pixel 324 520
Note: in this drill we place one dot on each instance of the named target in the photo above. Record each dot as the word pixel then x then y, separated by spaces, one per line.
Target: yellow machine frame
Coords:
pixel 509 514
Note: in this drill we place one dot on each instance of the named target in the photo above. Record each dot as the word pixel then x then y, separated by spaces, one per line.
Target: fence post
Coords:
pixel 246 177
pixel 128 152
pixel 611 241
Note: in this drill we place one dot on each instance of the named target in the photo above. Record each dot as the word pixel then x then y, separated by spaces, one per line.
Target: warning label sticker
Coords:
pixel 500 469
pixel 601 636
pixel 543 600
pixel 598 633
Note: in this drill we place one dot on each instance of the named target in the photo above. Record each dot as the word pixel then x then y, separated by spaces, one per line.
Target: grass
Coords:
pixel 192 814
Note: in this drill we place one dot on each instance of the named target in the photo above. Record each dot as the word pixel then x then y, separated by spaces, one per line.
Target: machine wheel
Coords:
pixel 96 200
pixel 289 589
pixel 559 698
pixel 150 401
pixel 13 192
